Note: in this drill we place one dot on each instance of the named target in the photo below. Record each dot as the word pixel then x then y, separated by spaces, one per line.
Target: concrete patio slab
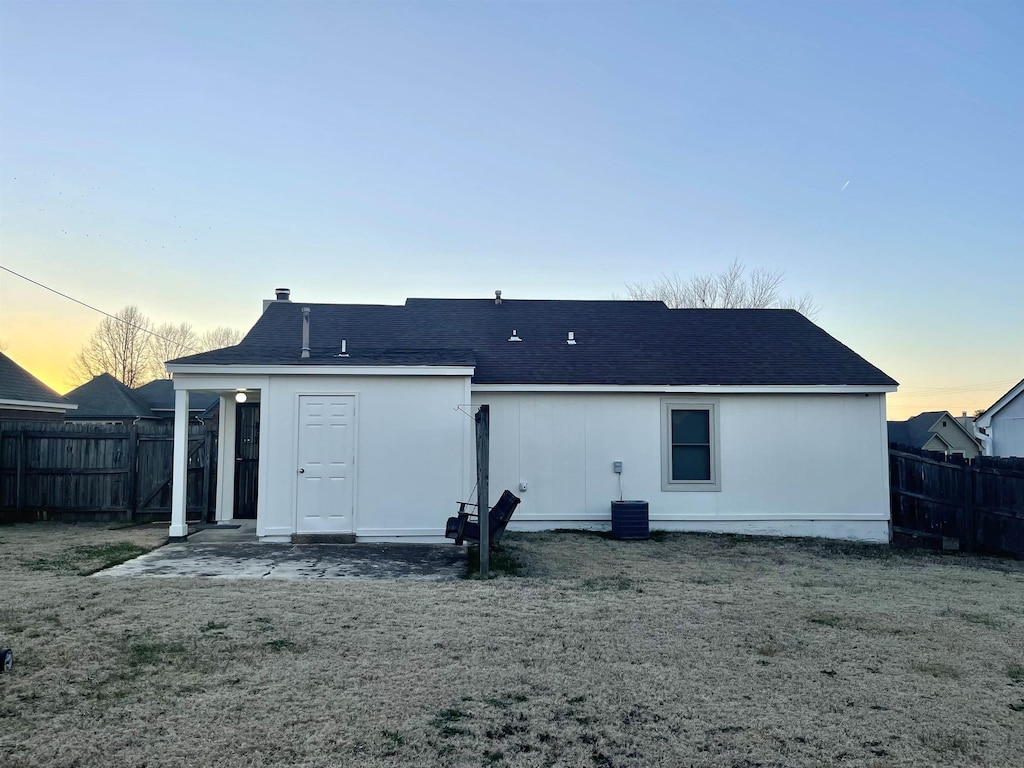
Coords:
pixel 239 560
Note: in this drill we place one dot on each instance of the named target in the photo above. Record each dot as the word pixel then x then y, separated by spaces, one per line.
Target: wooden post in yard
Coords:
pixel 483 459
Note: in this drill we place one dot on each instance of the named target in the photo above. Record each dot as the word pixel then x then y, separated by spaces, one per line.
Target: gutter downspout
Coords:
pixel 984 439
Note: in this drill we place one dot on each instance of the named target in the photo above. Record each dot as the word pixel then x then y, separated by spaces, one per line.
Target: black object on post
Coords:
pixel 630 520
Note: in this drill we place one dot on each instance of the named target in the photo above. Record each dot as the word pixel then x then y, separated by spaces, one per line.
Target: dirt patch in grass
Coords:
pixel 502 562
pixel 692 650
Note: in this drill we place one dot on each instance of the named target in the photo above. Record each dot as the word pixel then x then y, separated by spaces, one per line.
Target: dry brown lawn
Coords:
pixel 688 651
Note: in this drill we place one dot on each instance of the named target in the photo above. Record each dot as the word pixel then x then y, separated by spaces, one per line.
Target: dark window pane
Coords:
pixel 691 462
pixel 691 427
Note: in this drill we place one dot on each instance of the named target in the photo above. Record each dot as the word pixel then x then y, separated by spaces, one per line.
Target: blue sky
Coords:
pixel 190 157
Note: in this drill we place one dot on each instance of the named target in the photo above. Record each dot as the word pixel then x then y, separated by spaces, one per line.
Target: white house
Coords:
pixel 752 421
pixel 1000 429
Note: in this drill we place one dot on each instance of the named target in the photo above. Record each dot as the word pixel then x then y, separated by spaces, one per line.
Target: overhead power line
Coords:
pixel 964 390
pixel 956 387
pixel 95 309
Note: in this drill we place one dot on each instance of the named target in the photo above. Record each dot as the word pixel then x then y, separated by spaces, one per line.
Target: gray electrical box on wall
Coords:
pixel 617 467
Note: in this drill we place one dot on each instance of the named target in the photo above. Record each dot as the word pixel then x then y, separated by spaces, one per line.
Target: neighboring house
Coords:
pixel 935 431
pixel 23 397
pixel 1001 427
pixel 159 395
pixel 967 422
pixel 105 400
pixel 746 421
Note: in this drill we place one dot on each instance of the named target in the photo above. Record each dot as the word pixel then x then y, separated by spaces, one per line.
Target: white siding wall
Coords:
pixel 790 464
pixel 1008 429
pixel 412 449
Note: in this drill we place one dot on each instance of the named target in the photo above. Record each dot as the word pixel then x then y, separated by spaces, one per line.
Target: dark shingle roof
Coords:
pixel 915 431
pixel 899 434
pixel 618 342
pixel 104 397
pixel 159 395
pixel 18 384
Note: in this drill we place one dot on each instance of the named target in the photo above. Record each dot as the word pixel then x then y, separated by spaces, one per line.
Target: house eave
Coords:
pixel 321 370
pixel 784 389
pixel 34 405
pixel 985 419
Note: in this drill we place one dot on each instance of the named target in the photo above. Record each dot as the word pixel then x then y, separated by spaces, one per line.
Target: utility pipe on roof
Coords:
pixel 305 332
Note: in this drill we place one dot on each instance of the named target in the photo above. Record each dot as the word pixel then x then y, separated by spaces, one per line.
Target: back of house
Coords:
pixel 749 421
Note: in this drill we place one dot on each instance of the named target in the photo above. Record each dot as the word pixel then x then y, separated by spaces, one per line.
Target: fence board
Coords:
pixel 71 470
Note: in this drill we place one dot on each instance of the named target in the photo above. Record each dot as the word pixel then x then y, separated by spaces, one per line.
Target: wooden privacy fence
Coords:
pixel 975 505
pixel 101 472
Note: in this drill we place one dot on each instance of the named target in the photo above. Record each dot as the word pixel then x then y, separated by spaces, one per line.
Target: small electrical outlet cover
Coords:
pixel 523 485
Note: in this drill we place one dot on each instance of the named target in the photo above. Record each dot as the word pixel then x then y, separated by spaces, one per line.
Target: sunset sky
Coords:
pixel 191 157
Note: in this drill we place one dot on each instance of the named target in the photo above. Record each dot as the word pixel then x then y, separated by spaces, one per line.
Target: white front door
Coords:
pixel 326 458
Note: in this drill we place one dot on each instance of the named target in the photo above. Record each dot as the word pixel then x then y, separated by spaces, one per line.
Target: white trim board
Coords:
pixel 985 419
pixel 227 371
pixel 739 518
pixel 697 389
pixel 33 405
pixel 323 370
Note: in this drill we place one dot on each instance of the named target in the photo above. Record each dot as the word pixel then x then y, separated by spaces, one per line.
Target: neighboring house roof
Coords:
pixel 104 397
pixel 918 430
pixel 985 418
pixel 159 395
pixel 617 342
pixel 21 388
pixel 898 433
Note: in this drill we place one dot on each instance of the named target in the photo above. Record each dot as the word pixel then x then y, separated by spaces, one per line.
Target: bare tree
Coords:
pixel 168 342
pixel 180 340
pixel 120 346
pixel 220 337
pixel 733 288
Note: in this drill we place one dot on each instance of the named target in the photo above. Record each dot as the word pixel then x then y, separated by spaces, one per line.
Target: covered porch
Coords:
pixel 236 452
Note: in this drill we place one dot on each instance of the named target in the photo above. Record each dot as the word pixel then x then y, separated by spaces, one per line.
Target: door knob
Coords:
pixel 302 471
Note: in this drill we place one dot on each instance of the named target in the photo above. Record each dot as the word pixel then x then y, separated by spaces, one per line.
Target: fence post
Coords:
pixel 133 473
pixel 969 514
pixel 207 460
pixel 19 481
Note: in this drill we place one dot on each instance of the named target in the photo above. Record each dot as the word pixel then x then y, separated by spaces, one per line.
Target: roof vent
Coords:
pixel 571 339
pixel 497 297
pixel 514 336
pixel 344 349
pixel 281 294
pixel 305 332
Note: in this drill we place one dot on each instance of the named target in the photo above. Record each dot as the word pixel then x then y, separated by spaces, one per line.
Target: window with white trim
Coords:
pixel 690 457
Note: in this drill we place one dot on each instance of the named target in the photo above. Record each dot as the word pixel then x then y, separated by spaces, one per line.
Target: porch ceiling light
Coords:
pixel 240 396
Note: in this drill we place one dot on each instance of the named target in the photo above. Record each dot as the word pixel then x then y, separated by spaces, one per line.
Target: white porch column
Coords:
pixel 179 528
pixel 226 460
pixel 262 491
